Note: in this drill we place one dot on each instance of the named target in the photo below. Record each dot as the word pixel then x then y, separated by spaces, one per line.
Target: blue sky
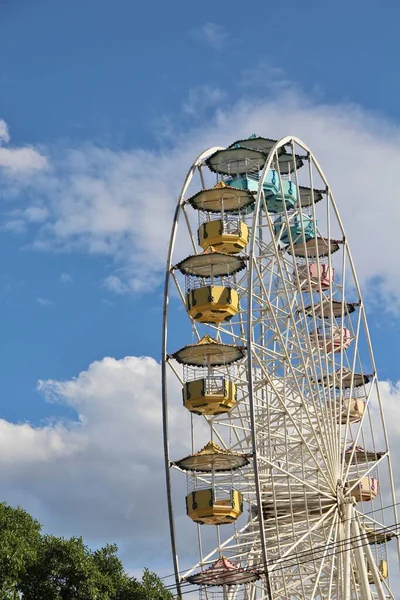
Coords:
pixel 108 71
pixel 110 103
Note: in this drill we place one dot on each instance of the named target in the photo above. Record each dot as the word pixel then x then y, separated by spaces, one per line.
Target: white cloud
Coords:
pixel 109 203
pixel 19 160
pixel 15 225
pixel 115 284
pixel 36 214
pixel 390 396
pixel 201 98
pixel 120 204
pixel 44 302
pixel 4 135
pixel 66 278
pixel 263 76
pixel 212 34
pixel 100 476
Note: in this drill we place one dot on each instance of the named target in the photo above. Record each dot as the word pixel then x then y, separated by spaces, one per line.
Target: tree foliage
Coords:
pixel 44 567
pixel 19 541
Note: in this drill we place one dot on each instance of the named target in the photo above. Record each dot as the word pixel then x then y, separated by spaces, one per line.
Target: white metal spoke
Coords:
pixel 306 413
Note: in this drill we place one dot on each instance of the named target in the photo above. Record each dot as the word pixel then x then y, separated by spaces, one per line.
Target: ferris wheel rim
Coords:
pixel 164 394
pixel 257 206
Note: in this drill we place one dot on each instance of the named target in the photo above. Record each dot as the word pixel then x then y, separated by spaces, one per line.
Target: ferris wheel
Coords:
pixel 289 480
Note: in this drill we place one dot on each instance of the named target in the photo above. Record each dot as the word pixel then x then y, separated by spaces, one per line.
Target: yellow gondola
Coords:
pixel 204 508
pixel 209 297
pixel 209 392
pixel 227 235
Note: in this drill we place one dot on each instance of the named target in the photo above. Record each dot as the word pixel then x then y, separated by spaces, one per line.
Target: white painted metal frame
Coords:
pixel 304 533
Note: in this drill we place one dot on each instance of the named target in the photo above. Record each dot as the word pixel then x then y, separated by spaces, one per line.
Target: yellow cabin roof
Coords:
pixel 213 458
pixel 211 263
pixel 209 352
pixel 229 198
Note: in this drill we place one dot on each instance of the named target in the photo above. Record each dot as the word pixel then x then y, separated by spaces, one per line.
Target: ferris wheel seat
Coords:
pixel 223 572
pixel 272 190
pixel 212 304
pixel 334 340
pixel 315 275
pixel 382 569
pixel 300 229
pixel 353 409
pixel 204 508
pixel 203 399
pixel 274 201
pixel 271 183
pixel 365 490
pixel 230 236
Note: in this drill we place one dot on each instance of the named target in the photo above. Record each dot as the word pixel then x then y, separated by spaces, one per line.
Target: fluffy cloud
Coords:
pixel 18 160
pixel 390 396
pixel 211 34
pixel 202 98
pixel 120 204
pixel 101 475
pixel 4 135
pixel 21 160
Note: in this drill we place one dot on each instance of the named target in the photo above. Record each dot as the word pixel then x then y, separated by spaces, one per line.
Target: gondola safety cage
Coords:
pixel 204 508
